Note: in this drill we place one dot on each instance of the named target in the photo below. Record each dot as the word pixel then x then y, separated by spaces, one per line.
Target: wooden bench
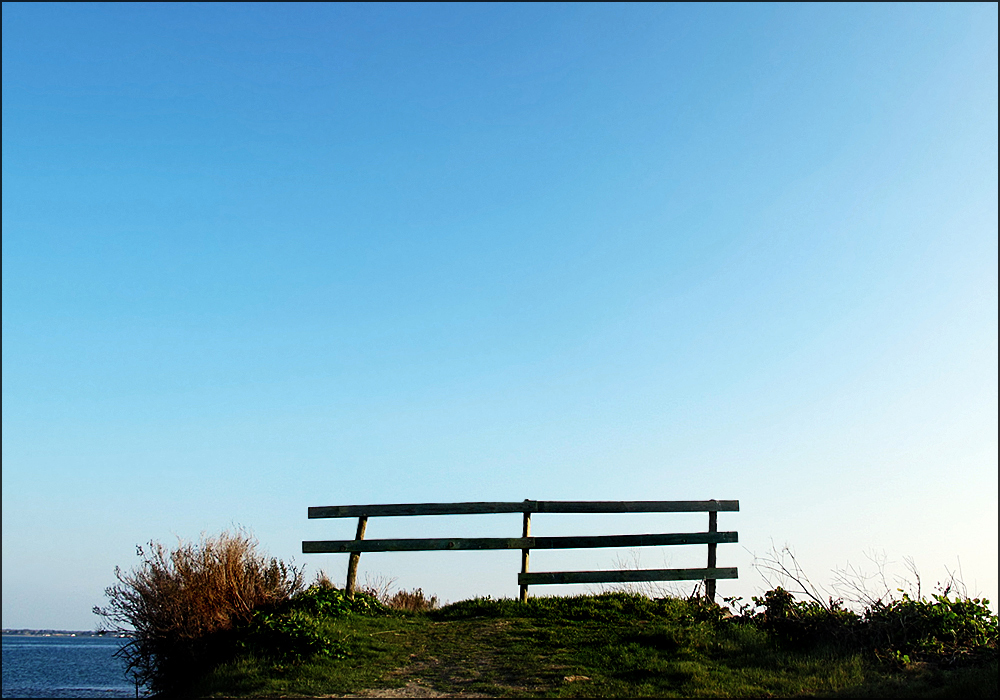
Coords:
pixel 712 537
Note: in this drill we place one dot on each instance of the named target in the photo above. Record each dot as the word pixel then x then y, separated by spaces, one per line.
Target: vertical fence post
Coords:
pixel 525 532
pixel 713 526
pixel 352 564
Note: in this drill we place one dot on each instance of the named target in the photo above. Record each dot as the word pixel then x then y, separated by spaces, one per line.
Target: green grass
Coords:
pixel 613 645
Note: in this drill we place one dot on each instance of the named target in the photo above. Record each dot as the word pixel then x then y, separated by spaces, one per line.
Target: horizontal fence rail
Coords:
pixel 584 542
pixel 636 576
pixel 493 507
pixel 526 542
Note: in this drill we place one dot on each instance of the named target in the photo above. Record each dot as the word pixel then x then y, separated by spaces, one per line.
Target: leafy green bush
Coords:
pixel 291 636
pixel 805 621
pixel 293 632
pixel 901 630
pixel 936 628
pixel 327 601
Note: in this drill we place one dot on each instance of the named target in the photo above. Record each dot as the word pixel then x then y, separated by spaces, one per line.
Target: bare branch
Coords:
pixel 780 567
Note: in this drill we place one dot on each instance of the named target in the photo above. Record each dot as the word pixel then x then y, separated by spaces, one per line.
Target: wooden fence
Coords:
pixel 712 537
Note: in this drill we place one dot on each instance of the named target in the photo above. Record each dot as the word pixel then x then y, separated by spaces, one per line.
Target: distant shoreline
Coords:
pixel 64 633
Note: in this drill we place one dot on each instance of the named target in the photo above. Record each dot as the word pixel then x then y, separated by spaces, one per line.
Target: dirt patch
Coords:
pixel 410 690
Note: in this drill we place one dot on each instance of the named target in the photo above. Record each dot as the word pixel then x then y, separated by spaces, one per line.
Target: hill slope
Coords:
pixel 614 645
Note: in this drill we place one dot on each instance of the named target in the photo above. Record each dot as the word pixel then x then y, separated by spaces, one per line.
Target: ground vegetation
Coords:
pixel 218 619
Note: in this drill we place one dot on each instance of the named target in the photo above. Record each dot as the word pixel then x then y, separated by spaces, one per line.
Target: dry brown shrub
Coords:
pixel 381 588
pixel 182 604
pixel 412 601
pixel 323 580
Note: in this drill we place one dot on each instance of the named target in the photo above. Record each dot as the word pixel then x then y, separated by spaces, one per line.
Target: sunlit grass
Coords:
pixel 614 645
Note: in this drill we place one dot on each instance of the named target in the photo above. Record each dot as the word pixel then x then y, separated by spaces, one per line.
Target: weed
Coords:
pixel 411 601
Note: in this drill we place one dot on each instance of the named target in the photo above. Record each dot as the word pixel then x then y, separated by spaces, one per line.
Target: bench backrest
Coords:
pixel 712 537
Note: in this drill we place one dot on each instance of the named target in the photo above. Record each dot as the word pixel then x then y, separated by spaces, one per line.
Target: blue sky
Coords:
pixel 263 257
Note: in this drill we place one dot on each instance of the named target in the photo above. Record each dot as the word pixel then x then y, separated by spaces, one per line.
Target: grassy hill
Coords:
pixel 612 645
pixel 216 618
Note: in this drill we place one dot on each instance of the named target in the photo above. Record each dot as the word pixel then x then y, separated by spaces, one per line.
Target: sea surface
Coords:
pixel 63 667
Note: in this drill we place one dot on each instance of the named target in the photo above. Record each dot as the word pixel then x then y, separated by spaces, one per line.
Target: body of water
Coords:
pixel 63 667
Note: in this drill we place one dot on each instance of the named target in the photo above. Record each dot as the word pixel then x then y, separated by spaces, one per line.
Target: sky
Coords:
pixel 263 257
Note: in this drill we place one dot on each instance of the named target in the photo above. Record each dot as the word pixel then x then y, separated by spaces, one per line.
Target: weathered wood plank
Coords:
pixel 461 543
pixel 541 578
pixel 399 509
pixel 635 506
